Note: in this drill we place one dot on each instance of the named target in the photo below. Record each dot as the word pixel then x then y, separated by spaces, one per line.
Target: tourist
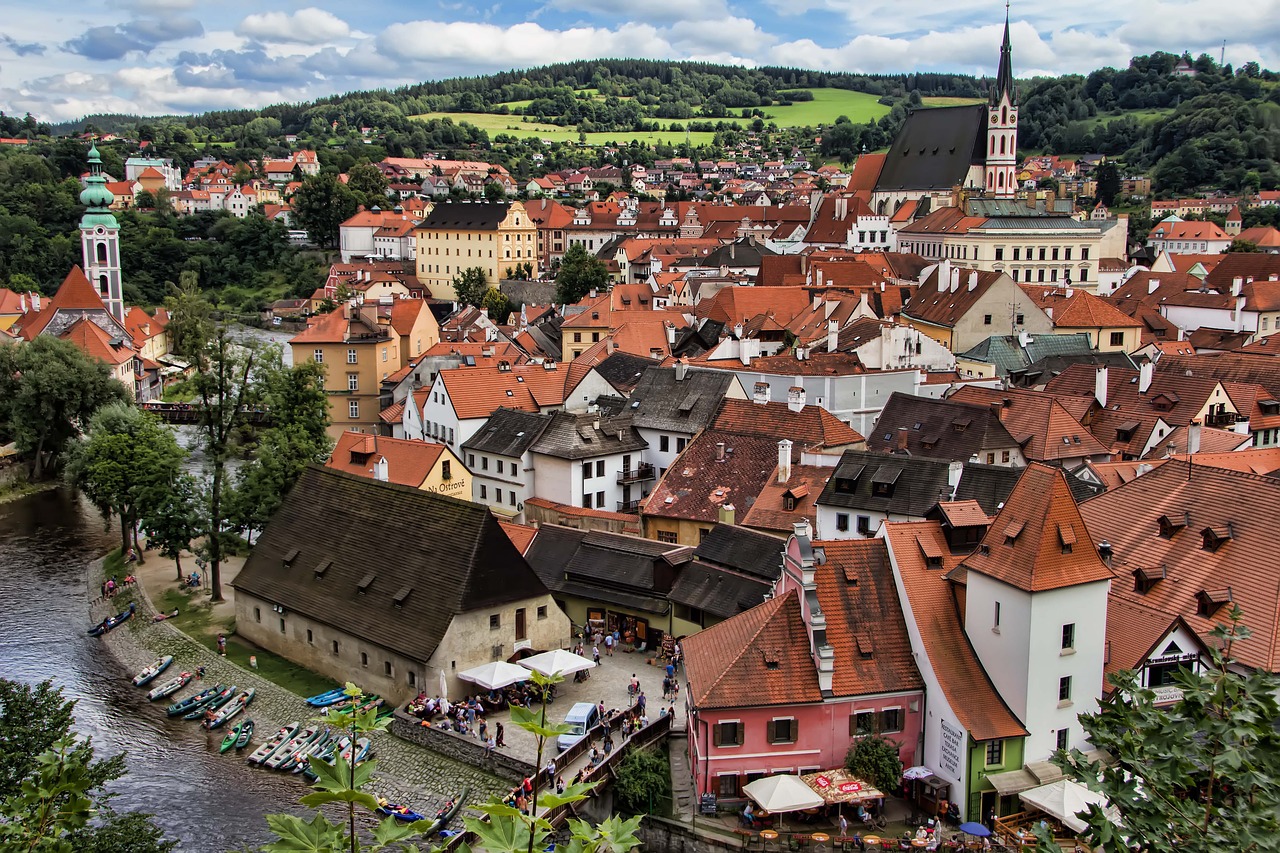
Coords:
pixel 662 713
pixel 844 825
pixel 559 784
pixel 484 730
pixel 200 673
pixel 499 740
pixel 671 712
pixel 551 768
pixel 594 757
pixel 634 687
pixel 222 645
pixel 595 654
pixel 748 816
pixel 608 744
pixel 608 645
pixel 671 670
pixel 640 701
pixel 489 747
pixel 600 708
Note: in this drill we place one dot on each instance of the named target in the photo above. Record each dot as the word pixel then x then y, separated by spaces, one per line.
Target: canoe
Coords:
pixel 299 763
pixel 149 674
pixel 106 625
pixel 399 812
pixel 235 706
pixel 449 812
pixel 330 750
pixel 170 687
pixel 279 739
pixel 328 698
pixel 191 701
pixel 213 703
pixel 232 736
pixel 246 734
pixel 361 751
pixel 346 702
pixel 297 742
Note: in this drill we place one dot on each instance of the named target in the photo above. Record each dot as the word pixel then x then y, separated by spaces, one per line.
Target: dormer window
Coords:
pixel 960 424
pixel 1145 579
pixel 1209 600
pixel 1214 537
pixel 1169 526
pixel 1067 536
pixel 1011 532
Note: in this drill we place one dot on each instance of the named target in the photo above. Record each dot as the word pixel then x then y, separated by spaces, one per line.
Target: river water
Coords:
pixel 206 801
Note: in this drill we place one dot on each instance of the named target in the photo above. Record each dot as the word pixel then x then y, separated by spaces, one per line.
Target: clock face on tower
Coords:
pixel 994 118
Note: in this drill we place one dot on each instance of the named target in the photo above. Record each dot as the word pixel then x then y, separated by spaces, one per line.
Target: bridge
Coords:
pixel 191 413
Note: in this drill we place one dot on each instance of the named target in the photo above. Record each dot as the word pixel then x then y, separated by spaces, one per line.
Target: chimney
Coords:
pixel 671 333
pixel 1237 284
pixel 747 350
pixel 1146 371
pixel 842 207
pixel 902 439
pixel 833 335
pixel 22 303
pixel 1105 551
pixel 826 669
pixel 1100 386
pixel 719 451
pixel 997 409
pixel 801 529
pixel 1193 437
pixel 944 275
pixel 1024 337
pixel 682 370
pixel 955 279
pixel 1240 300
pixel 727 514
pixel 954 471
pixel 35 301
pixel 795 398
pixel 737 331
pixel 784 460
pixel 973 280
pixel 760 394
pixel 380 470
pixel 1153 284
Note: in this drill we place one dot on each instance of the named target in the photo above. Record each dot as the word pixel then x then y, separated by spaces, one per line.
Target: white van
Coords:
pixel 582 718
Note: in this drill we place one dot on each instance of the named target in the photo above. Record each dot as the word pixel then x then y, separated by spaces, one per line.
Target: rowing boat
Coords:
pixel 192 701
pixel 213 703
pixel 297 763
pixel 326 755
pixel 322 700
pixel 149 674
pixel 235 706
pixel 106 625
pixel 170 687
pixel 297 742
pixel 267 749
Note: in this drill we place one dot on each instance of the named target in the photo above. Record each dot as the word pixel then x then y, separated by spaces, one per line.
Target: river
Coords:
pixel 206 801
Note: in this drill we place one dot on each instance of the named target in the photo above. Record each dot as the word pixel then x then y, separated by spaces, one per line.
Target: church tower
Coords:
pixel 100 238
pixel 1002 126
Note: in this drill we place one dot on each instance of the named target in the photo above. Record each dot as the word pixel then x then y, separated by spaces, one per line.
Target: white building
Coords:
pixel 587 461
pixel 501 463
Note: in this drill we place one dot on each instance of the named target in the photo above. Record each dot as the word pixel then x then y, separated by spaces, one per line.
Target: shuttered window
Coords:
pixel 727 734
pixel 782 731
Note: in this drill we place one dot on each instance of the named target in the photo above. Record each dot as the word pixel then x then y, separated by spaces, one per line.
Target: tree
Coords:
pixel 1238 245
pixel 1198 776
pixel 144 200
pixel 49 390
pixel 470 286
pixel 173 521
pixel 497 304
pixel 644 779
pixel 875 759
pixel 1108 178
pixel 322 204
pixel 368 184
pixel 495 191
pixel 125 466
pixel 52 788
pixel 580 273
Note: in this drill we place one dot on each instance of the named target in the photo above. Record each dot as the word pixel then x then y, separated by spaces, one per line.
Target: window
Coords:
pixel 364 658
pixel 599 500
pixel 1016 253
pixel 890 720
pixel 586 470
pixel 495 621
pixel 353 381
pixel 586 500
pixel 484 463
pixel 282 625
pixel 1064 737
pixel 542 611
pixel 667 536
pixel 351 356
pixel 353 409
pixel 862 723
pixel 318 355
pixel 484 492
pixel 309 637
pixel 334 646
pixel 991 458
pixel 577 337
pixel 600 468
pixel 1069 636
pixel 1042 253
pixel 664 443
pixel 497 495
pixel 1064 689
pixel 727 786
pixel 499 466
pixel 1055 253
pixel 782 731
pixel 999 253
pixel 727 734
pixel 1004 456
pixel 446 470
pixel 1084 253
pixel 680 443
pixel 413 679
pixel 511 497
pixel 386 667
pixel 842 521
pixel 384 354
pixel 995 753
pixel 1117 339
pixel 471 461
pixel 864 525
pixel 996 624
pixel 986 319
pixel 257 614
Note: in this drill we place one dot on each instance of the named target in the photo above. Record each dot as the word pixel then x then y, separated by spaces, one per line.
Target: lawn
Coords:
pixel 827 106
pixel 514 126
pixel 944 101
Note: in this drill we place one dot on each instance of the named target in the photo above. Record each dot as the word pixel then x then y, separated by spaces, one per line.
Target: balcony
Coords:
pixel 1217 420
pixel 630 506
pixel 643 471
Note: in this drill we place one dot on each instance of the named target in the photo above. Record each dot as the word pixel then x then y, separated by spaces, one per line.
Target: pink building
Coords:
pixel 788 685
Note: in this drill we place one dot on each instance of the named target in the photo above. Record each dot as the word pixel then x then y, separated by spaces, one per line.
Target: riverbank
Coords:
pixel 406 773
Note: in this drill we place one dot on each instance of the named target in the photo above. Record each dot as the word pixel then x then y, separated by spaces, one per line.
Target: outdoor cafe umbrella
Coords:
pixel 974 829
pixel 1064 799
pixel 557 662
pixel 839 786
pixel 782 793
pixel 495 675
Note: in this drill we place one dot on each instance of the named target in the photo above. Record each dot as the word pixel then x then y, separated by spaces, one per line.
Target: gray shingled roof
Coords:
pixel 1007 355
pixel 570 436
pixel 716 591
pixel 913 483
pixel 660 402
pixel 748 551
pixel 466 216
pixel 623 370
pixel 609 567
pixel 508 432
pixel 935 148
pixel 939 429
pixel 336 533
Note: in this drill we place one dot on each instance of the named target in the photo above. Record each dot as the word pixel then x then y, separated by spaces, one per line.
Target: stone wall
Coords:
pixel 672 836
pixel 459 748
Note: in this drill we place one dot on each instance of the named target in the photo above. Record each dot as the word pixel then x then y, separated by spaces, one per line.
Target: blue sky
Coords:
pixel 66 58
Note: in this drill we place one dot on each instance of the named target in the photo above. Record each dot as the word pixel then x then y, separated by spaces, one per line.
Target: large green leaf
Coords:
pixel 391 831
pixel 536 723
pixel 504 834
pixel 320 798
pixel 295 835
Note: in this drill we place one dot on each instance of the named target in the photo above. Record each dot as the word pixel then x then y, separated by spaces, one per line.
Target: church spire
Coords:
pixel 1004 76
pixel 100 238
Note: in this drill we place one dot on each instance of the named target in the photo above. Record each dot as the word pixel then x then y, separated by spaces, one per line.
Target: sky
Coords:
pixel 63 59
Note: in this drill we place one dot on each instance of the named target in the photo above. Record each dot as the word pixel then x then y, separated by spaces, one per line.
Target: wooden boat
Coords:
pixel 229 710
pixel 322 700
pixel 191 701
pixel 213 703
pixel 279 739
pixel 171 686
pixel 246 734
pixel 149 674
pixel 106 625
pixel 232 736
pixel 297 742
pixel 298 763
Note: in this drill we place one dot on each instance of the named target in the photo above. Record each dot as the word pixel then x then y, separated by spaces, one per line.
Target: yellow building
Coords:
pixel 422 465
pixel 1076 311
pixel 359 348
pixel 457 236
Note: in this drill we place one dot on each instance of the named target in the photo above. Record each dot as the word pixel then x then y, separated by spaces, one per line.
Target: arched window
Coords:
pixel 991 180
pixel 993 145
pixel 1004 115
pixel 1000 180
pixel 1001 144
pixel 103 287
pixel 102 251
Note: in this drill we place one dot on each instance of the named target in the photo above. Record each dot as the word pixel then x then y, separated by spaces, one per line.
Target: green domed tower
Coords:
pixel 100 238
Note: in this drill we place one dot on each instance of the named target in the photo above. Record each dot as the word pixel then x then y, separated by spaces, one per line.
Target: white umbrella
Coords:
pixel 1064 799
pixel 444 686
pixel 917 772
pixel 492 676
pixel 557 662
pixel 783 793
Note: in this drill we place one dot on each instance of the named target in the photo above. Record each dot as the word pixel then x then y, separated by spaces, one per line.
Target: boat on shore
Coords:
pixel 111 622
pixel 152 672
pixel 448 812
pixel 297 762
pixel 399 812
pixel 213 703
pixel 171 686
pixel 322 700
pixel 332 748
pixel 297 742
pixel 226 712
pixel 192 701
pixel 268 748
pixel 361 751
pixel 232 736
pixel 246 734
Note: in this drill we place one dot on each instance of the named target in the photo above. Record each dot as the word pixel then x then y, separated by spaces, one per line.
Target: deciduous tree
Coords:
pixel 580 273
pixel 875 760
pixel 368 184
pixel 470 286
pixel 321 204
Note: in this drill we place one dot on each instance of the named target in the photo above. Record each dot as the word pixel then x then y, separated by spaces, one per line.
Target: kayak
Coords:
pixel 346 703
pixel 399 812
pixel 326 755
pixel 191 701
pixel 170 687
pixel 297 742
pixel 213 703
pixel 246 734
pixel 111 622
pixel 328 698
pixel 265 750
pixel 299 763
pixel 361 751
pixel 232 736
pixel 449 812
pixel 235 706
pixel 149 674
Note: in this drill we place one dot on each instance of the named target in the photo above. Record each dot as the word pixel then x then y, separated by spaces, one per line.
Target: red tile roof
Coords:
pixel 408 462
pixel 1039 541
pixel 811 427
pixel 521 535
pixel 90 338
pixel 1081 310
pixel 737 304
pixel 1045 429
pixel 964 513
pixel 804 485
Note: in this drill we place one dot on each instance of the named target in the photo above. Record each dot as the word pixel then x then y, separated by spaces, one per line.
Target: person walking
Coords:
pixel 500 741
pixel 608 645
pixel 595 654
pixel 844 826
pixel 222 645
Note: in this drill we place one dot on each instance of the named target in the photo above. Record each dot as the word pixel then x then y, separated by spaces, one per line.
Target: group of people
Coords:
pixel 466 717
pixel 111 586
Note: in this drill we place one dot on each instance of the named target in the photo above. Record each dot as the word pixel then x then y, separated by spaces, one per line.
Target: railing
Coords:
pixel 643 471
pixel 1225 419
pixel 629 506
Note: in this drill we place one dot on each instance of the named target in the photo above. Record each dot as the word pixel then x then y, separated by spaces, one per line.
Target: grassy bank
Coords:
pixel 20 488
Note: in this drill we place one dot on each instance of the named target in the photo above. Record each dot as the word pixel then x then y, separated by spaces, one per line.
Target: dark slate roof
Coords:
pixel 623 370
pixel 935 148
pixel 938 429
pixel 1041 371
pixel 748 551
pixel 570 436
pixel 1007 354
pixel 444 556
pixel 742 252
pixel 661 402
pixel 717 591
pixel 609 567
pixel 508 432
pixel 915 483
pixel 466 216
pixel 989 485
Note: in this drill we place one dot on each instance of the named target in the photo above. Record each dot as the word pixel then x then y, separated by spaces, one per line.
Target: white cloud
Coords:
pixel 306 26
pixel 661 11
pixel 492 46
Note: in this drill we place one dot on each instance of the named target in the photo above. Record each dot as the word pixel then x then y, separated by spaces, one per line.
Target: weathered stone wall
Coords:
pixel 671 836
pixel 460 748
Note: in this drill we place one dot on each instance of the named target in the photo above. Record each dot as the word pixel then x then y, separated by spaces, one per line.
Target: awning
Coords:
pixel 1066 799
pixel 838 786
pixel 917 772
pixel 1012 782
pixel 1045 772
